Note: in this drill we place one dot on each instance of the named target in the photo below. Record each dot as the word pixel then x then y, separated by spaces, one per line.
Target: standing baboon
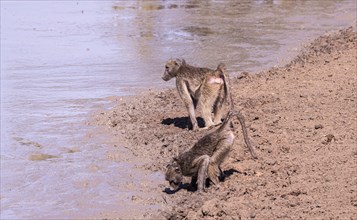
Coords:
pixel 203 160
pixel 199 86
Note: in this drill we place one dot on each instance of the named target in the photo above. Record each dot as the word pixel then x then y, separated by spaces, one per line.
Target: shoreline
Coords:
pixel 299 117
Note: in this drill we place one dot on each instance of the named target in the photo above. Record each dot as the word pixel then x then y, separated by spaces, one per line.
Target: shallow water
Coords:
pixel 60 60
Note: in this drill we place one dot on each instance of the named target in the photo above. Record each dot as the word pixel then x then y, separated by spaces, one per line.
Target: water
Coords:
pixel 61 59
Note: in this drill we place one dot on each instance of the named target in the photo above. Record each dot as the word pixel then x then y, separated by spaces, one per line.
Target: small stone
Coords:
pixel 243 75
pixel 37 157
pixel 319 126
pixel 328 139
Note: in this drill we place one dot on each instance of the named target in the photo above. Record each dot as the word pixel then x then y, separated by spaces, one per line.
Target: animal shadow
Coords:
pixel 224 175
pixel 183 122
pixel 228 173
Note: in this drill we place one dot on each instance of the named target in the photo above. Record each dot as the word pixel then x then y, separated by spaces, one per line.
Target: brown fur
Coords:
pixel 199 86
pixel 203 160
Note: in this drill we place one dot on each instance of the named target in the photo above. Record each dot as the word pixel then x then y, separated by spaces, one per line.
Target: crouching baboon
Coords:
pixel 203 160
pixel 199 86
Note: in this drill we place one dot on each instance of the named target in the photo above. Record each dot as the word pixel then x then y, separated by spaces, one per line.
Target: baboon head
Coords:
pixel 174 174
pixel 171 68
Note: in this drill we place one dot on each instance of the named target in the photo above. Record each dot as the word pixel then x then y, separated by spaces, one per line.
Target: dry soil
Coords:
pixel 302 120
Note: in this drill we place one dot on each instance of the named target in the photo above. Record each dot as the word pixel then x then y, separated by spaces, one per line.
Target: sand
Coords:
pixel 300 117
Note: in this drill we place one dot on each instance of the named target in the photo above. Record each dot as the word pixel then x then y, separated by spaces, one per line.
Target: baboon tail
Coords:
pixel 227 84
pixel 227 121
pixel 245 134
pixel 228 95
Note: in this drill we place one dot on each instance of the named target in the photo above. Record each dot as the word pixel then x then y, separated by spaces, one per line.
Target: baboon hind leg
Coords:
pixel 207 105
pixel 203 162
pixel 214 172
pixel 189 103
pixel 192 186
pixel 221 151
pixel 191 112
pixel 218 110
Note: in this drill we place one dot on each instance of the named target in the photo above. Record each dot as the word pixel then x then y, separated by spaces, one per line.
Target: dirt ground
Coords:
pixel 302 120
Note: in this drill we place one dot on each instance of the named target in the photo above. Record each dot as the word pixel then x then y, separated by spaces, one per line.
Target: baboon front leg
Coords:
pixel 203 162
pixel 186 98
pixel 191 111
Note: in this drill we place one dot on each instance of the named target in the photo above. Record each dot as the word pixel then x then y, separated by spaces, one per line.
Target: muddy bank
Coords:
pixel 301 119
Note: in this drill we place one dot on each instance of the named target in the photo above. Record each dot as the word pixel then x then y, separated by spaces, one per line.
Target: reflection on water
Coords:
pixel 59 60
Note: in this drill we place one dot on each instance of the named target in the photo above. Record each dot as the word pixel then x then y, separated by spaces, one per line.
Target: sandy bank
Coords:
pixel 302 120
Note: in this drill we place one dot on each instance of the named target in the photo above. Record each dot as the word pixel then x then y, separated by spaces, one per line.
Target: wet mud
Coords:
pixel 301 119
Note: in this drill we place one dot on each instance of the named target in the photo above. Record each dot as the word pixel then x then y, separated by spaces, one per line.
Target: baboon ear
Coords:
pixel 179 62
pixel 175 162
pixel 222 67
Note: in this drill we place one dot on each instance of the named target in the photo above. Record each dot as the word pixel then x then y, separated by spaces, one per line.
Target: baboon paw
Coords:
pixel 201 191
pixel 208 127
pixel 204 128
pixel 215 182
pixel 216 187
pixel 218 123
